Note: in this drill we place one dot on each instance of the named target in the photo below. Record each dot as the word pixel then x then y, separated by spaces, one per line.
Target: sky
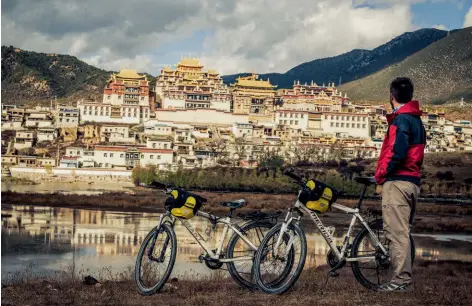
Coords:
pixel 231 36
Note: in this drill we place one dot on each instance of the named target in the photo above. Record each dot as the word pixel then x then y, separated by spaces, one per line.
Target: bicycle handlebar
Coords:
pixel 168 189
pixel 299 180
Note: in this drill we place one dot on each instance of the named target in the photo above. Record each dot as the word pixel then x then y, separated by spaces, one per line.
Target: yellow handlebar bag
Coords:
pixel 182 205
pixel 318 196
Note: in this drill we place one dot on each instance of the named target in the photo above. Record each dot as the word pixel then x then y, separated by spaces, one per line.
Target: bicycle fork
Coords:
pixel 161 257
pixel 288 220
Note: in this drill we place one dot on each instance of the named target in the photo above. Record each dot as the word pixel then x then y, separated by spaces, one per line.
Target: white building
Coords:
pixel 67 116
pixel 74 151
pixel 242 130
pixel 116 133
pixel 292 118
pixel 92 111
pixel 345 124
pixel 152 128
pixel 157 142
pixel 24 139
pixel 122 156
pixel 38 119
pixel 12 125
pixel 46 134
pixel 69 162
pixel 42 162
pixel 200 117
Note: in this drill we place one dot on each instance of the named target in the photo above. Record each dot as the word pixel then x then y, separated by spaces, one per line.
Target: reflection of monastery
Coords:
pixel 115 233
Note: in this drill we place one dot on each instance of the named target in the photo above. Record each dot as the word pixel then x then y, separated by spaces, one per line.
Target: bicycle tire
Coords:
pixel 284 284
pixel 363 280
pixel 235 274
pixel 137 274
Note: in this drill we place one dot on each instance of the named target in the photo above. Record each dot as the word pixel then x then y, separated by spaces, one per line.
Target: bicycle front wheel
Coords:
pixel 155 260
pixel 270 265
pixel 374 272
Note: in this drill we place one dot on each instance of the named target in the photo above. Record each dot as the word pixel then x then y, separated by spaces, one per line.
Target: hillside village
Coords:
pixel 191 119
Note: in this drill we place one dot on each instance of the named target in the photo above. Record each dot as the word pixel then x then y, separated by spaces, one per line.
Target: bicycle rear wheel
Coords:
pixel 270 270
pixel 373 273
pixel 155 260
pixel 241 271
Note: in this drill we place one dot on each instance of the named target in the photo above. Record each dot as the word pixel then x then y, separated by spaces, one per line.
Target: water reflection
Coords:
pixel 68 187
pixel 54 239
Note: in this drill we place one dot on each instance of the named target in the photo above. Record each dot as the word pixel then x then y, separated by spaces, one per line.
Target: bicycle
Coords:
pixel 367 246
pixel 160 245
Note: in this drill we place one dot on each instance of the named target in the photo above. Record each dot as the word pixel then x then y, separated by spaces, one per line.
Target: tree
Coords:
pixel 239 151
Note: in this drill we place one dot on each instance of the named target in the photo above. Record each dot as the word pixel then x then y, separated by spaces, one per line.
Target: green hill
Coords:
pixel 31 76
pixel 441 72
pixel 356 63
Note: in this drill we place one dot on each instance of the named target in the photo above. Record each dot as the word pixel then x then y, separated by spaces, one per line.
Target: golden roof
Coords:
pixel 252 81
pixel 212 71
pixel 129 74
pixel 190 62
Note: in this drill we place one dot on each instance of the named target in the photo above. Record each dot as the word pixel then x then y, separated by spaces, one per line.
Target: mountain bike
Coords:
pixel 368 254
pixel 156 257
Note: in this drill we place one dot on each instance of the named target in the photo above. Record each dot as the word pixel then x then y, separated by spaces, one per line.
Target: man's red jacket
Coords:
pixel 402 151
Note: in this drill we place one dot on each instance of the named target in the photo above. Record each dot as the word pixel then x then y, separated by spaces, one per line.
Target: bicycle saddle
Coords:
pixel 233 204
pixel 365 180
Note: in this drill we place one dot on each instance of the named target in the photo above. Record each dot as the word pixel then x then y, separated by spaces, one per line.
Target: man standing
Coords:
pixel 398 177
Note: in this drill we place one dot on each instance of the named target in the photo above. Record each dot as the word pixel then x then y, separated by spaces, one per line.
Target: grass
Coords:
pixel 435 283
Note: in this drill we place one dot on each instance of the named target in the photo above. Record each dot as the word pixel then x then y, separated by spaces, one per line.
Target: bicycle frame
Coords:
pixel 340 255
pixel 167 217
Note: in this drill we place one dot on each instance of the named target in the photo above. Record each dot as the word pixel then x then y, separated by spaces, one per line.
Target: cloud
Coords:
pixel 238 35
pixel 439 27
pixel 468 18
pixel 279 36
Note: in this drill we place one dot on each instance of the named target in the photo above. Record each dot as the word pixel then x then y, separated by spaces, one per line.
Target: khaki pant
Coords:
pixel 398 210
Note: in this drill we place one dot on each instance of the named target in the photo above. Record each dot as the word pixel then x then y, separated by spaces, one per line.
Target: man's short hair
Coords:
pixel 402 90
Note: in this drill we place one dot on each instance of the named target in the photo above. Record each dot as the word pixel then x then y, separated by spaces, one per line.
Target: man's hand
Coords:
pixel 378 190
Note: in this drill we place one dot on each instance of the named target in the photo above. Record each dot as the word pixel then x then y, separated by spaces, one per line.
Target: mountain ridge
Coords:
pixel 34 76
pixel 441 72
pixel 354 64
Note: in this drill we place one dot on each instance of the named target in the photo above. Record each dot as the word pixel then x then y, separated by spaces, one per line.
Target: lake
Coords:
pixel 45 240
pixel 67 187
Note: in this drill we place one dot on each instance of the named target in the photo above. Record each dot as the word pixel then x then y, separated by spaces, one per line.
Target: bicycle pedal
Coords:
pixel 333 274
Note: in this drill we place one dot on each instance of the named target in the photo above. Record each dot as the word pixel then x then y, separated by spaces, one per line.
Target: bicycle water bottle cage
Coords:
pixel 318 196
